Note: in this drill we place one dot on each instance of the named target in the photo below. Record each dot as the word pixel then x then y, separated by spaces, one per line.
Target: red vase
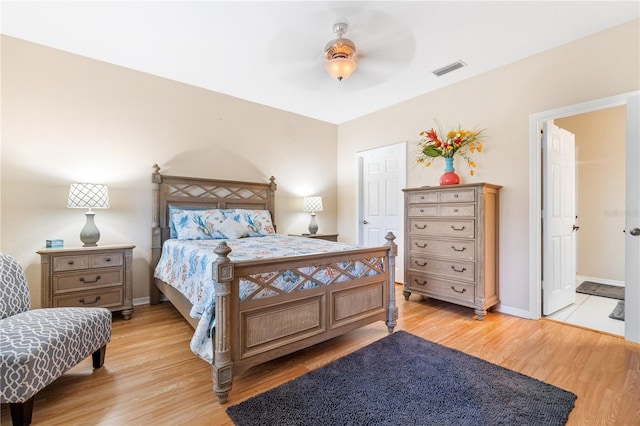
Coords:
pixel 449 177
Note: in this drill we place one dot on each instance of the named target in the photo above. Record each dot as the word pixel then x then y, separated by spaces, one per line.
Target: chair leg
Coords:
pixel 21 412
pixel 98 357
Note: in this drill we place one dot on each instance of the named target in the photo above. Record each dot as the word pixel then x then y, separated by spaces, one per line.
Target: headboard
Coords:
pixel 199 192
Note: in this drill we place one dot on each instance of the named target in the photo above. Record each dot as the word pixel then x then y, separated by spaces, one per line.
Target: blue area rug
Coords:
pixel 403 379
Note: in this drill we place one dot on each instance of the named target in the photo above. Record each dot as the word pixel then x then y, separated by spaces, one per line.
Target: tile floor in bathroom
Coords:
pixel 591 312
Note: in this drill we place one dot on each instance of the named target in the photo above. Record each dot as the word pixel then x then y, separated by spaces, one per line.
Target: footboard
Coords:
pixel 270 322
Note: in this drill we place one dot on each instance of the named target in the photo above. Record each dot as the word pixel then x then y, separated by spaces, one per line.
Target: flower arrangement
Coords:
pixel 456 141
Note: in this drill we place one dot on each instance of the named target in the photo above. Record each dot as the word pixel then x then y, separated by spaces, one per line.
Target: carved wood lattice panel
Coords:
pixel 267 284
pixel 215 191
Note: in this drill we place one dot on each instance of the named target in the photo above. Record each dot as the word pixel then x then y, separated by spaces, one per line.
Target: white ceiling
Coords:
pixel 271 52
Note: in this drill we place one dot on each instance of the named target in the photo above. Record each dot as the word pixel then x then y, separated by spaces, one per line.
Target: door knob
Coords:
pixel 635 232
pixel 364 222
pixel 575 228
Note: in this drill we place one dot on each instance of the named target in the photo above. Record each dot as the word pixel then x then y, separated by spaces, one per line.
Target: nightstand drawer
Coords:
pixel 84 280
pixel 106 259
pixel 104 298
pixel 70 263
pixel 459 196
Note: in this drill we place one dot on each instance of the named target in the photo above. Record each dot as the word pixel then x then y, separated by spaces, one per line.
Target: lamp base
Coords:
pixel 313 226
pixel 90 233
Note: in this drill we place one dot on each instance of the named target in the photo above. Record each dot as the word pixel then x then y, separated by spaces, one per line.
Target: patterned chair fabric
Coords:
pixel 38 346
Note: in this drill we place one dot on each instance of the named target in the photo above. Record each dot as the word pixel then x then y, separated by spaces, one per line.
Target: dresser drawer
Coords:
pixel 423 197
pixel 70 263
pixel 457 196
pixel 463 249
pixel 453 210
pixel 87 279
pixel 459 270
pixel 103 298
pixel 422 211
pixel 442 289
pixel 443 228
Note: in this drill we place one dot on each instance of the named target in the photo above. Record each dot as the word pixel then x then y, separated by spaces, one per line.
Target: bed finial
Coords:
pixel 273 184
pixel 155 173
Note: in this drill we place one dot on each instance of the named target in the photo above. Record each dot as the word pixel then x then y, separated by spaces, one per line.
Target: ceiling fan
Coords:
pixel 385 46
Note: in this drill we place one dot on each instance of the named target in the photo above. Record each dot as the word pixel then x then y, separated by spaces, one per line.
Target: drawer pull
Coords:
pixel 70 262
pixel 455 195
pixel 419 264
pixel 421 245
pixel 90 281
pixel 458 291
pixel 458 229
pixel 420 283
pixel 455 210
pixel 422 197
pixel 421 210
pixel 458 270
pixel 455 249
pixel 107 259
pixel 90 303
pixel 423 226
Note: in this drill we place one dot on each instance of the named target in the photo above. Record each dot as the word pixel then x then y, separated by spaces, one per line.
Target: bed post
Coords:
pixel 272 199
pixel 392 311
pixel 156 234
pixel 221 369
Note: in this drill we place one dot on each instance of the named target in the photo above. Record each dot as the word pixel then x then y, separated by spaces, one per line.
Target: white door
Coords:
pixel 558 219
pixel 632 223
pixel 381 202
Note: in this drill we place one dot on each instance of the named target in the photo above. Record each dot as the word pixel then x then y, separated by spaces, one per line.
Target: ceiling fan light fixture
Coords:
pixel 340 54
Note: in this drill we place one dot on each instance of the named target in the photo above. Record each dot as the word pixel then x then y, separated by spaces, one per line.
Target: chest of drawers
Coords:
pixel 88 276
pixel 451 244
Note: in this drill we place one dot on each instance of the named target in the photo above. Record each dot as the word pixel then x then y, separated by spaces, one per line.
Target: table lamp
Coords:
pixel 91 196
pixel 313 205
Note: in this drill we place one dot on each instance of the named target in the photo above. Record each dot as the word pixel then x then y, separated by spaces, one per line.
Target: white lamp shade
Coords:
pixel 312 204
pixel 88 195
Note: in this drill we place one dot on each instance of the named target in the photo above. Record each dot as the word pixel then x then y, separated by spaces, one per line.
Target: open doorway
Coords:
pixel 631 102
pixel 600 221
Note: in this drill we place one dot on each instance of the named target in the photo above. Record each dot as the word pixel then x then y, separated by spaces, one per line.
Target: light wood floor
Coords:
pixel 151 377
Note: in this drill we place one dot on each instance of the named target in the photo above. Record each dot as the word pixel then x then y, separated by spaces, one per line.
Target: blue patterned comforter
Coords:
pixel 186 265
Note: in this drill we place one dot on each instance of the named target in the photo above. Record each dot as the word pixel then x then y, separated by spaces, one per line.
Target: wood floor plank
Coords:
pixel 150 376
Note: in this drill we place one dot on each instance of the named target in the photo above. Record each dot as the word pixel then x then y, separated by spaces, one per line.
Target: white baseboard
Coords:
pixel 516 312
pixel 581 278
pixel 145 300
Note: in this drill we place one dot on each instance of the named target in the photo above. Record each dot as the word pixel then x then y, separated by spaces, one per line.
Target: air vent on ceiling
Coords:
pixel 448 68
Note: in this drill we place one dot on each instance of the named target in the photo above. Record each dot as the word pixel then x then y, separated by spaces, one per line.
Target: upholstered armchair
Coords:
pixel 38 346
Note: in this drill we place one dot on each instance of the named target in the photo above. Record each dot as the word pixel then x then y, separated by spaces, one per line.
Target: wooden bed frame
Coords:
pixel 250 332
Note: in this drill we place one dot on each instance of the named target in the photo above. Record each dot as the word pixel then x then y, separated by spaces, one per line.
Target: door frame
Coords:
pixel 535 188
pixel 402 146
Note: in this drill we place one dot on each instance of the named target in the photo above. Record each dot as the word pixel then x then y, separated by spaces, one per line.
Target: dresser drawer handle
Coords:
pixel 455 249
pixel 455 195
pixel 421 246
pixel 418 263
pixel 420 283
pixel 70 262
pixel 421 210
pixel 107 259
pixel 422 197
pixel 458 270
pixel 418 227
pixel 458 229
pixel 458 291
pixel 95 280
pixel 90 303
pixel 455 210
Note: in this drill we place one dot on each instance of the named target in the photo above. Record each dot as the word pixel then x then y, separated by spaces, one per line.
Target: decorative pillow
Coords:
pixel 232 229
pixel 172 209
pixel 258 221
pixel 197 224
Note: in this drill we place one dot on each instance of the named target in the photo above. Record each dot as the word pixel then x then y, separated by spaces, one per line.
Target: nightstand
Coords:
pixel 100 276
pixel 328 237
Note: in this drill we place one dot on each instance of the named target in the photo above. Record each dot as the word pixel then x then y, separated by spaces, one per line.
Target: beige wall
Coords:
pixel 67 118
pixel 600 147
pixel 501 101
